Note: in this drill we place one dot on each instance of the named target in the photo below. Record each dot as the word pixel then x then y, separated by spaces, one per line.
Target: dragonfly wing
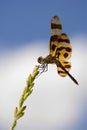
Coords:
pixel 63 49
pixel 66 66
pixel 63 71
pixel 56 26
pixel 56 29
pixel 60 47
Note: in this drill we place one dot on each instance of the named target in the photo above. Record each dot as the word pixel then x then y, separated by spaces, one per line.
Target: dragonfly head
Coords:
pixel 43 67
pixel 40 60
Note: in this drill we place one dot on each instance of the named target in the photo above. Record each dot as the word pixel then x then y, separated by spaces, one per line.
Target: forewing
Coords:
pixel 66 65
pixel 53 45
pixel 56 26
pixel 63 48
pixel 56 29
pixel 60 47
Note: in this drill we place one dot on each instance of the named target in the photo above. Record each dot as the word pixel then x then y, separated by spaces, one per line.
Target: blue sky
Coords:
pixel 56 102
pixel 24 21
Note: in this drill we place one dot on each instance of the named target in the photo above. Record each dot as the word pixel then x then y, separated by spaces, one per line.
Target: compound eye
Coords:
pixel 40 59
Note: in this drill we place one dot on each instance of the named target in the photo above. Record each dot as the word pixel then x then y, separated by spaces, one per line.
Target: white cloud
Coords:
pixel 55 102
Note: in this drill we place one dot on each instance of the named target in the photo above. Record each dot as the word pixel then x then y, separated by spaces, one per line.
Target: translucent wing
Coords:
pixel 56 29
pixel 56 26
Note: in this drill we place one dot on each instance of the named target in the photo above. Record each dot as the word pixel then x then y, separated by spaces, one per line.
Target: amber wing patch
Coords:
pixel 60 47
pixel 63 48
pixel 66 65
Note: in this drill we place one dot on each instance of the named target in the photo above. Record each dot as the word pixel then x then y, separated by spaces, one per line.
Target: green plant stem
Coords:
pixel 19 111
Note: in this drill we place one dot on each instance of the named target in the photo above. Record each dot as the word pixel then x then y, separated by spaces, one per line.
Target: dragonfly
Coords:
pixel 60 51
